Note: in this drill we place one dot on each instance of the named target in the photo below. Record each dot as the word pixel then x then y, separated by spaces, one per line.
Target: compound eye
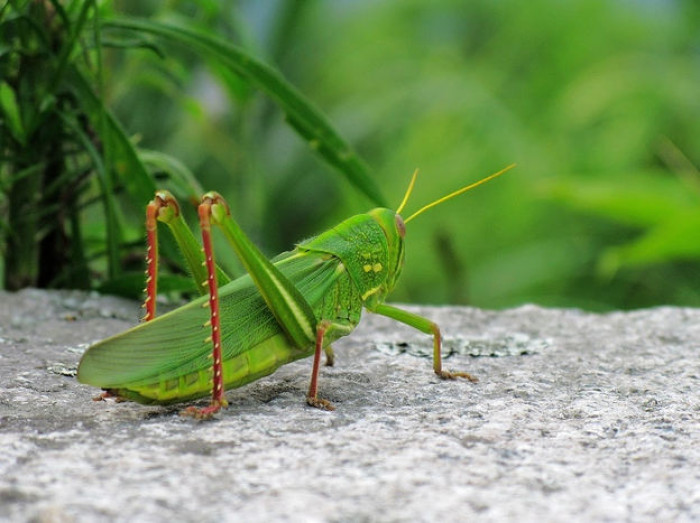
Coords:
pixel 400 226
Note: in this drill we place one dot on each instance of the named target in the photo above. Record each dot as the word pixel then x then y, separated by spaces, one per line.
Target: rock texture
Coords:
pixel 577 416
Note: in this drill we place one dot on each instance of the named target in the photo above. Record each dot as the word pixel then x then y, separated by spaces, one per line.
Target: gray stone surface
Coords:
pixel 577 416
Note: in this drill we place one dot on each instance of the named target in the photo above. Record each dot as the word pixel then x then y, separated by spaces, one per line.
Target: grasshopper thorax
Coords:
pixel 370 246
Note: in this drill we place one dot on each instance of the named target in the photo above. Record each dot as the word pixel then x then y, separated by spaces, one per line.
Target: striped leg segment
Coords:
pixel 164 208
pixel 151 289
pixel 218 399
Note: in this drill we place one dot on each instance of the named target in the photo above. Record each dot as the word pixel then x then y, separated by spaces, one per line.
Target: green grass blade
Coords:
pixel 9 107
pixel 70 45
pixel 113 233
pixel 184 183
pixel 128 166
pixel 304 117
pixel 674 239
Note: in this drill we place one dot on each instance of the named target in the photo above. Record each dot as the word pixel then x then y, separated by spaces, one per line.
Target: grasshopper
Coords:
pixel 283 309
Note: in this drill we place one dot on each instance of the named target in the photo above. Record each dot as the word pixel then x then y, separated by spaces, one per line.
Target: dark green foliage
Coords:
pixel 596 100
pixel 64 147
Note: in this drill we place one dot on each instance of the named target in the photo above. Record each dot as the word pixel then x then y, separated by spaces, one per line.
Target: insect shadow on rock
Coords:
pixel 284 309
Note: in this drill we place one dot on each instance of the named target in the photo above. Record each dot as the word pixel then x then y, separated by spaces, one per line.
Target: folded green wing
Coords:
pixel 175 343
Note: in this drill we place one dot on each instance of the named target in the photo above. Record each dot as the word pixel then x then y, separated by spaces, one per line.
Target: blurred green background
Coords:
pixel 598 101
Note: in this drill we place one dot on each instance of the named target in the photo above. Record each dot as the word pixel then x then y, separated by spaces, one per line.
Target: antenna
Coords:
pixel 408 192
pixel 453 194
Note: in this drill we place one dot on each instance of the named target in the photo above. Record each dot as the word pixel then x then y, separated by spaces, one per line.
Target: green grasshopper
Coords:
pixel 285 309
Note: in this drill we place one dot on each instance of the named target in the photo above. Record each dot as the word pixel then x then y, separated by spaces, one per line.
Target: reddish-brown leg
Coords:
pixel 107 394
pixel 218 399
pixel 312 398
pixel 163 202
pixel 151 259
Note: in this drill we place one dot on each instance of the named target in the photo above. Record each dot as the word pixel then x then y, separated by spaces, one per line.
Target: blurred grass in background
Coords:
pixel 597 101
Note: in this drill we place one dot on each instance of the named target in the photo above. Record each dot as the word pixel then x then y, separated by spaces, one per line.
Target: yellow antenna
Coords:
pixel 456 193
pixel 408 192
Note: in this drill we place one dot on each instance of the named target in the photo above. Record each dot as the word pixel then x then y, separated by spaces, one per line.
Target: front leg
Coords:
pixel 429 327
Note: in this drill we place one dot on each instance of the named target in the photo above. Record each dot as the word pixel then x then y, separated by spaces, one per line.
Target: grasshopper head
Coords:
pixel 395 230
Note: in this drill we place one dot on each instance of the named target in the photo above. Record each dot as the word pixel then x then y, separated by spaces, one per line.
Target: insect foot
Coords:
pixel 203 414
pixel 106 394
pixel 320 404
pixel 102 396
pixel 447 375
